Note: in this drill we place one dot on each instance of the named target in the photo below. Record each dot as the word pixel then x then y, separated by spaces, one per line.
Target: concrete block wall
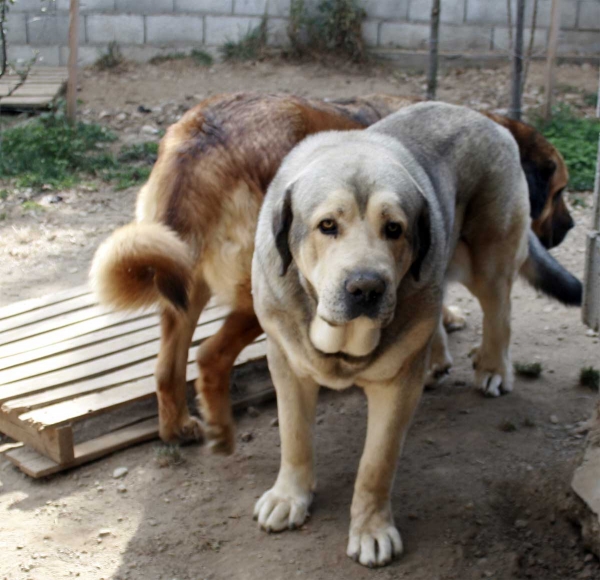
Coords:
pixel 145 28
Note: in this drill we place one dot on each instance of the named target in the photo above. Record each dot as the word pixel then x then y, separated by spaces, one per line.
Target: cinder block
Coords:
pixel 174 29
pixel 86 6
pixel 404 35
pixel 16 28
pixel 121 28
pixel 465 38
pixel 86 55
pixel 48 29
pixel 145 6
pixel 388 9
pixel 494 12
pixel 501 39
pixel 451 11
pixel 589 16
pixel 277 32
pixel 22 54
pixel 34 6
pixel 370 32
pixel 205 6
pixel 259 7
pixel 578 42
pixel 220 29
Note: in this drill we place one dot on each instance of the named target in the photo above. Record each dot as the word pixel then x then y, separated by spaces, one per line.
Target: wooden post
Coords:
pixel 433 50
pixel 551 58
pixel 517 74
pixel 73 43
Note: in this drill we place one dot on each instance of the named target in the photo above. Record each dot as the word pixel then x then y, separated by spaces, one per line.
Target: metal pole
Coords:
pixel 73 43
pixel 433 50
pixel 517 74
pixel 551 59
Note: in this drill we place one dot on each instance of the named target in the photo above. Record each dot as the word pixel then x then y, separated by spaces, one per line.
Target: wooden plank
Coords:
pixel 54 443
pixel 72 331
pixel 89 405
pixel 123 329
pixel 110 367
pixel 94 351
pixel 36 465
pixel 52 324
pixel 34 303
pixel 28 318
pixel 30 90
pixel 27 102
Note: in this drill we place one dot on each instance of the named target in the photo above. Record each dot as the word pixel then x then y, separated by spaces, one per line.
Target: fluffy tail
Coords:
pixel 543 272
pixel 139 264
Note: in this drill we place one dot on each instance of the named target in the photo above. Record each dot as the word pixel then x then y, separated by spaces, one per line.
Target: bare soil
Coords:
pixel 482 482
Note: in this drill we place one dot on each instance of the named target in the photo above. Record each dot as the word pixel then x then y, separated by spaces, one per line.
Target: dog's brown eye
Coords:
pixel 328 227
pixel 393 230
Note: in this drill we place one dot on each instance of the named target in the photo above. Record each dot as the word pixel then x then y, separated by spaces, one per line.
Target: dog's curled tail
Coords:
pixel 544 273
pixel 140 264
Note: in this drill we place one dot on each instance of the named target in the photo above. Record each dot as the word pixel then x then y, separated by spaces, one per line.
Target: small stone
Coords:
pixel 246 437
pixel 104 114
pixel 554 419
pixel 253 412
pixel 121 117
pixel 152 522
pixel 591 332
pixel 274 422
pixel 149 130
pixel 520 524
pixel 104 532
pixel 588 557
pixel 121 488
pixel 20 546
pixel 120 472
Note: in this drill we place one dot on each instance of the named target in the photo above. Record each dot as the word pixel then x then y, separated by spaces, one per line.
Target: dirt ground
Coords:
pixel 482 482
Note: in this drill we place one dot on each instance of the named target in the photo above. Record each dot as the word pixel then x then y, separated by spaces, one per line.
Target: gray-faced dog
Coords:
pixel 358 234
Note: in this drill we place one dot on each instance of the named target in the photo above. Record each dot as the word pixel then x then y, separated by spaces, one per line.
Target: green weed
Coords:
pixel 112 58
pixel 590 377
pixel 576 138
pixel 530 370
pixel 252 46
pixel 201 57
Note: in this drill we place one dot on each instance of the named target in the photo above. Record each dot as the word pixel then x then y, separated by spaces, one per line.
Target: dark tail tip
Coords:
pixel 544 273
pixel 174 289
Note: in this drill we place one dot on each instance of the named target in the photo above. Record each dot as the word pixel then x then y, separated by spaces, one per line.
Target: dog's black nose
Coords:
pixel 364 291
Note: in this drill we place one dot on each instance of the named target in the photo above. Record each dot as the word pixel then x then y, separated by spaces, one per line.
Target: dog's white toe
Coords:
pixel 376 548
pixel 493 384
pixel 276 512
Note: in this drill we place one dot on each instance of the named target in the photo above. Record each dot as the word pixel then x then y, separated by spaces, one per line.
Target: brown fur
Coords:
pixel 203 196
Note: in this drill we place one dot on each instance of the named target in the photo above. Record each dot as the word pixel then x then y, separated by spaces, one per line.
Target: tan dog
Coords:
pixel 357 237
pixel 194 237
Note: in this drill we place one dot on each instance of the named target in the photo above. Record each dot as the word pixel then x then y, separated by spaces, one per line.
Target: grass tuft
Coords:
pixel 252 46
pixel 590 377
pixel 529 370
pixel 576 137
pixel 168 455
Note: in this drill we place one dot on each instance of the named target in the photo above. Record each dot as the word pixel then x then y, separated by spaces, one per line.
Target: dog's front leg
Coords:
pixel 286 504
pixel 374 539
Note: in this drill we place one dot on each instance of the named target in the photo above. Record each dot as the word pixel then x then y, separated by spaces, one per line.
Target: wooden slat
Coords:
pixel 52 311
pixel 49 90
pixel 56 348
pixel 121 361
pixel 52 324
pixel 76 330
pixel 103 349
pixel 36 465
pixel 29 102
pixel 89 405
pixel 35 303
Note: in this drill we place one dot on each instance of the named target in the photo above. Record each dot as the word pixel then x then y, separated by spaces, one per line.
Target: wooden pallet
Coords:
pixel 76 380
pixel 40 89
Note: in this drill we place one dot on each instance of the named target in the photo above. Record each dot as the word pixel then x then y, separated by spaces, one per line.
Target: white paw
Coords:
pixel 374 546
pixel 492 378
pixel 454 319
pixel 279 510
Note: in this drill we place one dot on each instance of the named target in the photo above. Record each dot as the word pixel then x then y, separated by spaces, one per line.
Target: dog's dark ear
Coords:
pixel 538 180
pixel 421 240
pixel 282 222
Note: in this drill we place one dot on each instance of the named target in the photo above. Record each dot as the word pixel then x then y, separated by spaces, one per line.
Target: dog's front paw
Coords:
pixel 279 509
pixel 220 439
pixel 493 375
pixel 188 429
pixel 374 543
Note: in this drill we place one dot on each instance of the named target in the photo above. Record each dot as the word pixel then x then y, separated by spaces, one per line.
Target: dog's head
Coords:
pixel 355 223
pixel 547 178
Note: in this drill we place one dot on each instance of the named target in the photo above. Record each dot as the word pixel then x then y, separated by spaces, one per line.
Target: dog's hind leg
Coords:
pixel 216 357
pixel 177 329
pixel 440 359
